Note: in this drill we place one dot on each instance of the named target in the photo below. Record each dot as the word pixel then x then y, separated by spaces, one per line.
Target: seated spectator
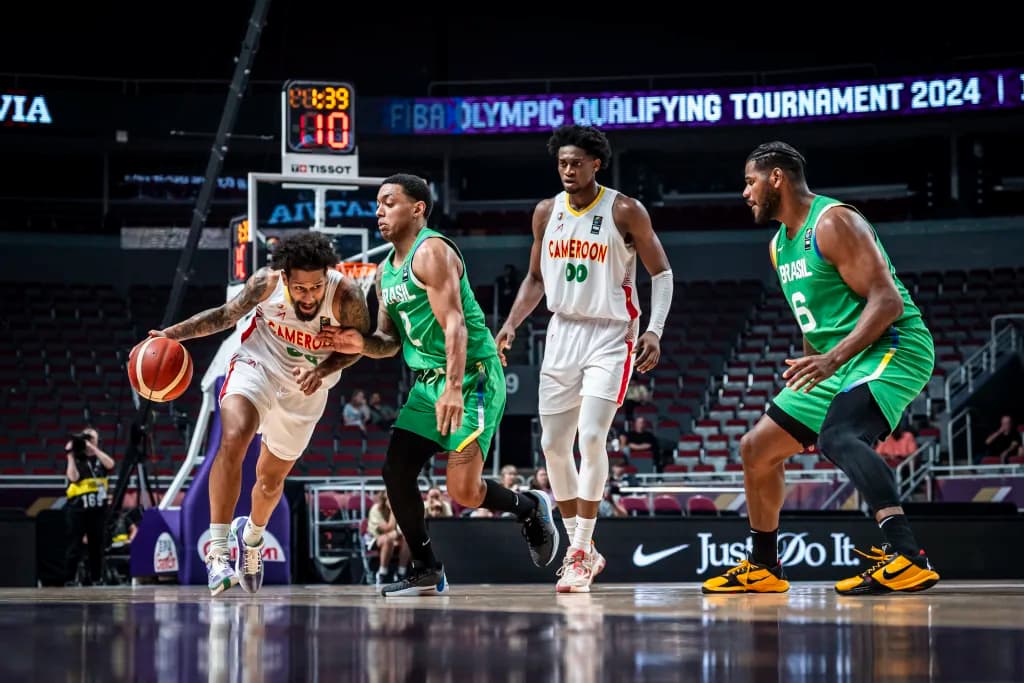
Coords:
pixel 619 477
pixel 637 394
pixel 510 477
pixel 609 505
pixel 897 446
pixel 435 505
pixel 1004 441
pixel 356 413
pixel 539 481
pixel 382 528
pixel 381 414
pixel 639 439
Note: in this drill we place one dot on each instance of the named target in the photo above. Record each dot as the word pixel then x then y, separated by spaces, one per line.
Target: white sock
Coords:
pixel 253 534
pixel 219 537
pixel 402 569
pixel 570 527
pixel 584 532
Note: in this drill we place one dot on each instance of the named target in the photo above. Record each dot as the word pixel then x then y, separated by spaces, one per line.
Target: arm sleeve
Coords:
pixel 661 301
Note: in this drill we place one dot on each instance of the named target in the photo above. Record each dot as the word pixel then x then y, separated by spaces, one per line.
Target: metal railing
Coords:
pixel 957 425
pixel 977 367
pixel 348 525
pixel 984 361
pixel 915 469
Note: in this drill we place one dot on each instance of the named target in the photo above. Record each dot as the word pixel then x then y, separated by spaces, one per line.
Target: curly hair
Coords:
pixel 310 250
pixel 589 139
pixel 778 155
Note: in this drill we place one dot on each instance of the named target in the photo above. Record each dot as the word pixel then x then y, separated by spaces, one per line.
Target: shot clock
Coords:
pixel 318 137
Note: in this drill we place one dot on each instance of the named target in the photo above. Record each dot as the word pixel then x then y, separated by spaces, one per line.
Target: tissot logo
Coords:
pixel 323 169
pixel 794 549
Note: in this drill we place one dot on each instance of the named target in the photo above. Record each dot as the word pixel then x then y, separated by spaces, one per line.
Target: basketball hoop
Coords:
pixel 362 272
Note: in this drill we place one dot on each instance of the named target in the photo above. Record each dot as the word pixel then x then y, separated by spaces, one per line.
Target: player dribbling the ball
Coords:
pixel 277 383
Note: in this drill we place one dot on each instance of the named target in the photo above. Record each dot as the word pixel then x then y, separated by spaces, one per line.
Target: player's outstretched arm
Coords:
pixel 633 220
pixel 531 291
pixel 439 268
pixel 351 311
pixel 257 288
pixel 383 343
pixel 349 307
pixel 847 242
pixel 385 340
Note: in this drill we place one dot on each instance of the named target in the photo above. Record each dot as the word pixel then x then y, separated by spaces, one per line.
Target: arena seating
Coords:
pixel 62 356
pixel 63 347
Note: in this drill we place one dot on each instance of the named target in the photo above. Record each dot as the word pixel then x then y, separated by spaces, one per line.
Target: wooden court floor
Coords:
pixel 958 631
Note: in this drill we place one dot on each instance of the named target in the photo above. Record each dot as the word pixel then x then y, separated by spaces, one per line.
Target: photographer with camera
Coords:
pixel 87 471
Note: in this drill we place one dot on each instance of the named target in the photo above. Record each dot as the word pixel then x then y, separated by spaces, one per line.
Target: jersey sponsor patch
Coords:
pixel 595 227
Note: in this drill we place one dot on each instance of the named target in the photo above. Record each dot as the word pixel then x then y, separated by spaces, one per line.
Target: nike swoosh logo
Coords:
pixel 642 559
pixel 888 576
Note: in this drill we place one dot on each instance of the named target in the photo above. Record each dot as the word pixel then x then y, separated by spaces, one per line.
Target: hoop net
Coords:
pixel 363 273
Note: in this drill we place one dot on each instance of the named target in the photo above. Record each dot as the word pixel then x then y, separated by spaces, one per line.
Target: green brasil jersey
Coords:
pixel 824 305
pixel 409 309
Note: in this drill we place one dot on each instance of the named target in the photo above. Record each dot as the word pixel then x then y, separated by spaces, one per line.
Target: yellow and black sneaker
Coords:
pixel 748 577
pixel 891 572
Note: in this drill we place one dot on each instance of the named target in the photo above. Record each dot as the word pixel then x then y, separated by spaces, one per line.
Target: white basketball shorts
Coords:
pixel 287 416
pixel 585 358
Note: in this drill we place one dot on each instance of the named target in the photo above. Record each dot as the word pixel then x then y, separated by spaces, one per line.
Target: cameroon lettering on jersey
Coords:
pixel 589 270
pixel 281 342
pixel 582 249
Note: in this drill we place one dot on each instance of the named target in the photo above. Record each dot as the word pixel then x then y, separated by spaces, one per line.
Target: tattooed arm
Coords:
pixel 383 343
pixel 213 320
pixel 351 311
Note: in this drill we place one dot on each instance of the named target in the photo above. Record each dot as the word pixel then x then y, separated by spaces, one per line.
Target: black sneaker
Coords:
pixel 419 581
pixel 540 531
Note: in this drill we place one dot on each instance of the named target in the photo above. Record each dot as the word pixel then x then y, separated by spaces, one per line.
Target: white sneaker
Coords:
pixel 576 573
pixel 597 562
pixel 220 575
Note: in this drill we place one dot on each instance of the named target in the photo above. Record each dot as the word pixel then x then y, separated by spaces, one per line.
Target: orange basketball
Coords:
pixel 160 369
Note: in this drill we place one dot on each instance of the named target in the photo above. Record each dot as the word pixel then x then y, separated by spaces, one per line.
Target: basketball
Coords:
pixel 160 369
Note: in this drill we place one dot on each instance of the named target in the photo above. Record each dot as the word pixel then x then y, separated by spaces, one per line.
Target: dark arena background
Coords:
pixel 152 162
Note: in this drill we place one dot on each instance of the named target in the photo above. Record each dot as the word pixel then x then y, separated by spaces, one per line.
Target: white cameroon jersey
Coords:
pixel 280 342
pixel 589 271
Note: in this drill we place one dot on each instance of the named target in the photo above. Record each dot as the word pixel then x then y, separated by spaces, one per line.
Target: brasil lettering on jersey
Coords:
pixel 797 270
pixel 396 294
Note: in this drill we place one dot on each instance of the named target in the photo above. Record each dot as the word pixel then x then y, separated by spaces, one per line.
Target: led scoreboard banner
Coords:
pixel 318 136
pixel 951 93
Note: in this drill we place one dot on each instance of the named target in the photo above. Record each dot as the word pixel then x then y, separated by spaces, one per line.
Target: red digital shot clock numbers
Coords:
pixel 319 117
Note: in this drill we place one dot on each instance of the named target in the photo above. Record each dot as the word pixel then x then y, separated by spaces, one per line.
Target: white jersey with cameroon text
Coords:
pixel 589 271
pixel 280 342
